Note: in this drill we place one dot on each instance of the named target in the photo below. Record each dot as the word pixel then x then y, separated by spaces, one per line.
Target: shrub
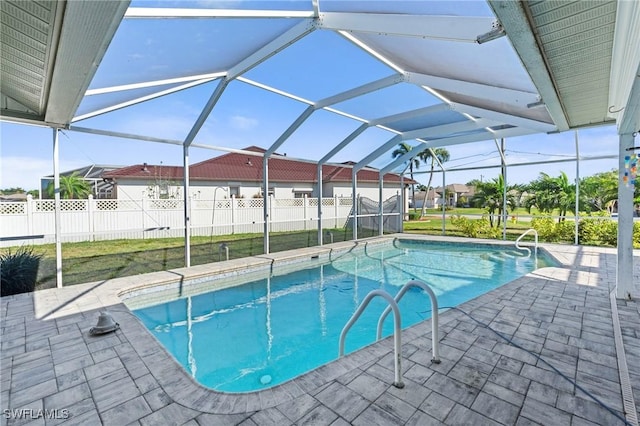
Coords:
pixel 598 230
pixel 636 235
pixel 414 215
pixel 565 231
pixel 18 271
pixel 471 227
pixel 546 228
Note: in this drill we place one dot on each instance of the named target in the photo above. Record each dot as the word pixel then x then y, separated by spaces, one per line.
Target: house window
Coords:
pixel 302 192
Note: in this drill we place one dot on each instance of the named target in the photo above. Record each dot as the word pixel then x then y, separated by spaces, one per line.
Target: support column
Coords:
pixel 624 276
pixel 58 221
pixel 380 207
pixel 444 202
pixel 577 212
pixel 265 203
pixel 187 207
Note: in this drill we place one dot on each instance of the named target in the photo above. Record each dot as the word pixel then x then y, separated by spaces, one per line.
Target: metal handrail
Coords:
pixel 535 233
pixel 435 339
pixel 397 339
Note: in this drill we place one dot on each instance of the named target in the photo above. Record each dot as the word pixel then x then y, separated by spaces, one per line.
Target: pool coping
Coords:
pixel 185 390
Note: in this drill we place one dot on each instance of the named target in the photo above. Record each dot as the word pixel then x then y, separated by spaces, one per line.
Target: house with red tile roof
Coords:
pixel 241 175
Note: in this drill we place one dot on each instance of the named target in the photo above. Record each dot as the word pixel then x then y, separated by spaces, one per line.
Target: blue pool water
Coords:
pixel 268 331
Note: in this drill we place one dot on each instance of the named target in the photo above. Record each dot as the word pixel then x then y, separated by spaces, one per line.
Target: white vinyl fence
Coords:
pixel 33 221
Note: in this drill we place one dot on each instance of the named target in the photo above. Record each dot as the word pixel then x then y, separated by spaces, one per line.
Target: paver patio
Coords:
pixel 563 315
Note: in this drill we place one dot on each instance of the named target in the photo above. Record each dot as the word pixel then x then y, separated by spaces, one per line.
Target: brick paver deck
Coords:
pixel 562 314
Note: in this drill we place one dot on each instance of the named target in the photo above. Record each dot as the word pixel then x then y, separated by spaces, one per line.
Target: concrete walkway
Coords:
pixel 54 372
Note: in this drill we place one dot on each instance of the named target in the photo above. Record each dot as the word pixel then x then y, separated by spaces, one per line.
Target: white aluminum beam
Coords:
pixel 420 112
pixel 134 86
pixel 448 129
pixel 477 137
pixel 204 114
pixel 377 152
pixel 537 126
pixel 514 20
pixel 344 143
pixel 453 28
pixel 268 50
pixel 361 90
pixel 184 13
pixel 140 100
pixel 413 152
pixel 57 213
pixel 517 98
pixel 287 133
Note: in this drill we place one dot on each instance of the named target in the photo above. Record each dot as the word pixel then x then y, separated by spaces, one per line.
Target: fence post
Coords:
pixel 30 207
pixel 143 211
pixel 304 210
pixel 90 213
pixel 233 213
pixel 335 211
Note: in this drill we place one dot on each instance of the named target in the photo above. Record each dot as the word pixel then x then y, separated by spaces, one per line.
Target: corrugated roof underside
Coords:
pixel 27 30
pixel 577 38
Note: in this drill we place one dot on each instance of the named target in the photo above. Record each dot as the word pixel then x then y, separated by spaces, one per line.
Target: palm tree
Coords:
pixel 402 149
pixel 430 155
pixel 551 193
pixel 491 195
pixel 71 186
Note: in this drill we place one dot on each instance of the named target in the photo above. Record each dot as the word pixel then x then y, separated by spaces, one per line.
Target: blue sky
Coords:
pixel 320 65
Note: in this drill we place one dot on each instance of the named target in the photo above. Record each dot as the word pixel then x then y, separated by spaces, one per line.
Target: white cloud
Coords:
pixel 243 123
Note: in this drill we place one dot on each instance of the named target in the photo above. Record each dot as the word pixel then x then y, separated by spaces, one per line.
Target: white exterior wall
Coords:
pixel 136 190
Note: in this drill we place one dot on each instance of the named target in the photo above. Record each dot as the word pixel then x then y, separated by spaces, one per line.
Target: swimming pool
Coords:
pixel 277 327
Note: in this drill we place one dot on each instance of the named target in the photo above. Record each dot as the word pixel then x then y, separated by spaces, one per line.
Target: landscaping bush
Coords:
pixel 474 228
pixel 546 227
pixel 598 230
pixel 18 271
pixel 565 231
pixel 414 215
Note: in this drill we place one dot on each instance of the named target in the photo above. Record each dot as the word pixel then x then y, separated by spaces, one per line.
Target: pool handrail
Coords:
pixel 397 339
pixel 535 234
pixel 435 339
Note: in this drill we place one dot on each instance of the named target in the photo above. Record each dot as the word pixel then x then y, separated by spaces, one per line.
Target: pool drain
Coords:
pixel 266 379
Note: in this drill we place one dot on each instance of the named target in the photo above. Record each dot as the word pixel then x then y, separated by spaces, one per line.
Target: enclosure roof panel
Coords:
pixel 530 66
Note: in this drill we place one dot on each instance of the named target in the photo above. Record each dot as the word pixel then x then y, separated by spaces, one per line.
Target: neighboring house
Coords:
pixel 433 199
pixel 454 193
pixel 93 174
pixel 14 197
pixel 241 175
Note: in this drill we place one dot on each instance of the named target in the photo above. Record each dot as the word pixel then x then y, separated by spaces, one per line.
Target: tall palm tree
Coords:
pixel 428 157
pixel 490 195
pixel 402 149
pixel 551 193
pixel 71 186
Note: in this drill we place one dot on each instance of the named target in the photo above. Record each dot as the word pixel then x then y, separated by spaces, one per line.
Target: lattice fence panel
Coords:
pixel 45 205
pixel 13 208
pixel 165 204
pixel 74 205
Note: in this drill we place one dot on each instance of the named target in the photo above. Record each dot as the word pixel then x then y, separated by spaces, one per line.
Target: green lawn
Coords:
pixel 101 260
pixel 432 225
